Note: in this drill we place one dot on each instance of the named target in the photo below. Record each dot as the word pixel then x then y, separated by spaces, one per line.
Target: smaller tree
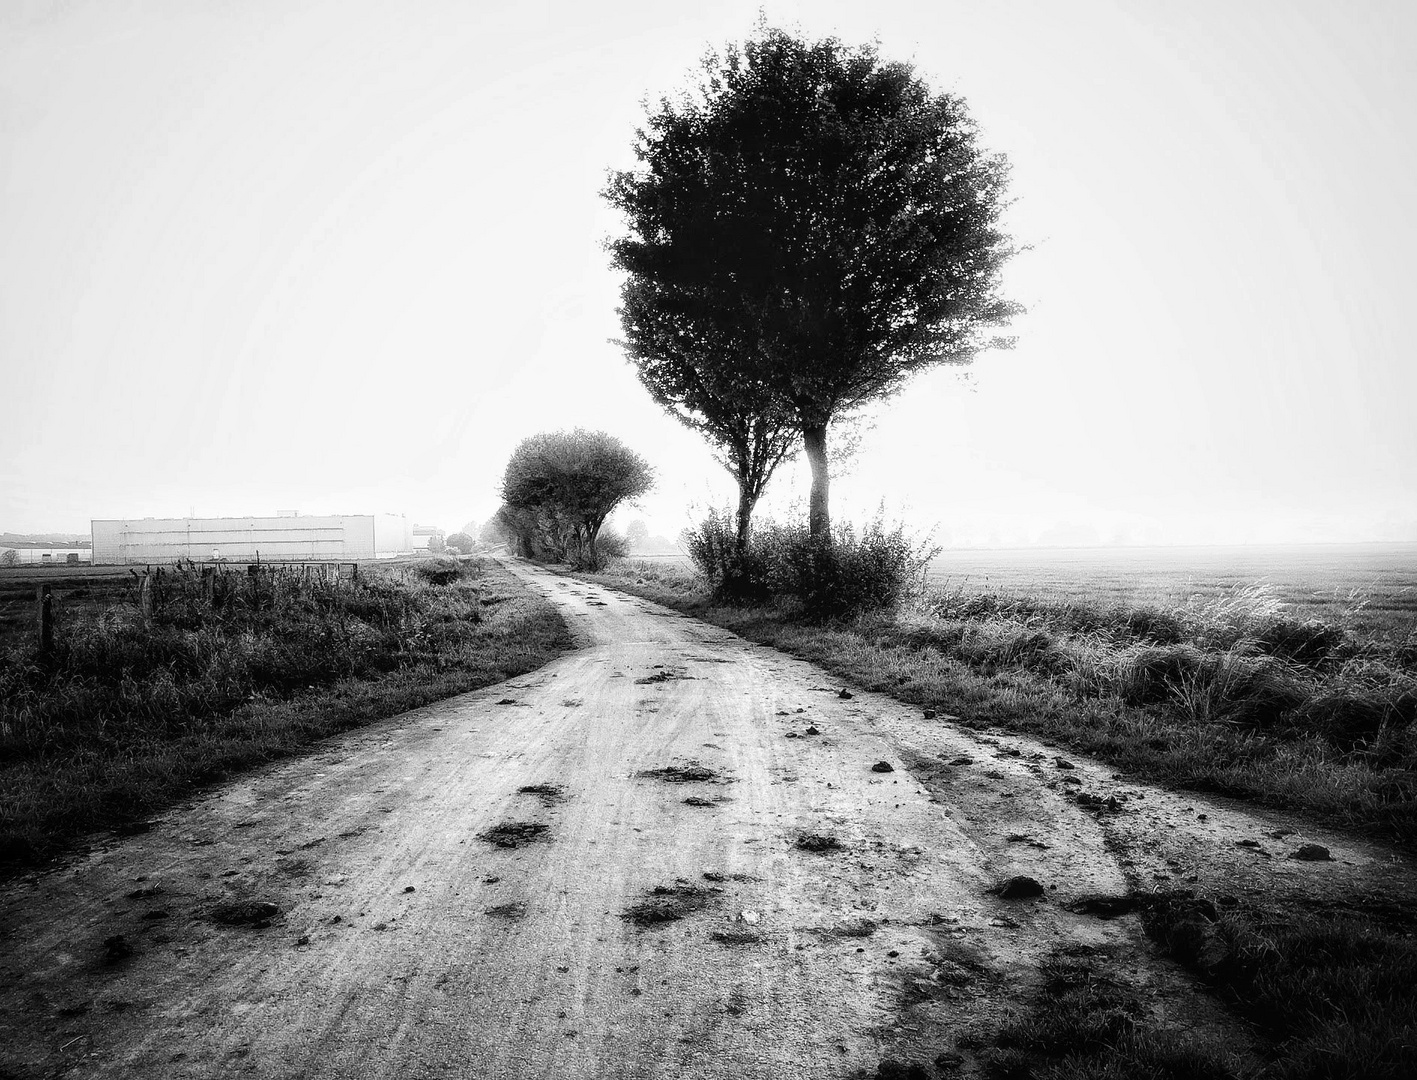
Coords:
pixel 637 535
pixel 9 557
pixel 461 543
pixel 437 543
pixel 704 371
pixel 568 482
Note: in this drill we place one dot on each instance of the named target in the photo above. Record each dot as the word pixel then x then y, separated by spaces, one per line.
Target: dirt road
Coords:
pixel 666 854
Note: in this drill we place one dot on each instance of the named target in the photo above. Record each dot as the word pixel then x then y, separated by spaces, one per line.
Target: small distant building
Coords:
pixel 39 554
pixel 285 538
pixel 423 537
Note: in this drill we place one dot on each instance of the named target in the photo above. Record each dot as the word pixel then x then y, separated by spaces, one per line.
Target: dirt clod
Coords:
pixel 513 834
pixel 514 910
pixel 821 843
pixel 549 794
pixel 1018 887
pixel 116 948
pixel 698 800
pixel 962 760
pixel 669 903
pixel 883 767
pixel 845 695
pixel 691 772
pixel 507 701
pixel 813 731
pixel 1063 763
pixel 257 913
pixel 1095 804
pixel 890 1069
pixel 1104 907
pixel 662 676
pixel 736 937
pixel 1312 853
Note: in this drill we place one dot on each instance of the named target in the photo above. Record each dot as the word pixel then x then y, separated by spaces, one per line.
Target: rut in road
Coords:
pixel 665 854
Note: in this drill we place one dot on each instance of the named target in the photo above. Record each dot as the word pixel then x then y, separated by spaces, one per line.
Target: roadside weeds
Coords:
pixel 93 766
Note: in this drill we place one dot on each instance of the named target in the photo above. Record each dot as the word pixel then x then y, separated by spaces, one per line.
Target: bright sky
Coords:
pixel 343 256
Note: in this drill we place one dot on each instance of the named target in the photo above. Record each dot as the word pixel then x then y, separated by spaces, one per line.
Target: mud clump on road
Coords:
pixel 819 843
pixel 857 928
pixel 253 913
pixel 513 834
pixel 699 800
pixel 669 903
pixel 549 794
pixel 661 676
pixel 512 911
pixel 691 772
pixel 116 949
pixel 1019 887
pixel 736 937
pixel 1101 906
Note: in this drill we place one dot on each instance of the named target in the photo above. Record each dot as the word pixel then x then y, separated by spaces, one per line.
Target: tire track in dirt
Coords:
pixel 415 938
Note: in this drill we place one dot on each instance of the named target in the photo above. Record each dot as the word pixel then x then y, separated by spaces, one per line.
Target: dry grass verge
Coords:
pixel 129 714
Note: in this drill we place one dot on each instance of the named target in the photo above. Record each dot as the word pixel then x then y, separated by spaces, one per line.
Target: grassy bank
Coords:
pixel 1329 994
pixel 130 711
pixel 1230 695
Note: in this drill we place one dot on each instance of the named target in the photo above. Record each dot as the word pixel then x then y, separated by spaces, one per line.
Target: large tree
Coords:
pixel 825 223
pixel 685 358
pixel 566 483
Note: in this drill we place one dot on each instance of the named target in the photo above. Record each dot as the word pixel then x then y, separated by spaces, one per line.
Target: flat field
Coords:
pixel 1370 587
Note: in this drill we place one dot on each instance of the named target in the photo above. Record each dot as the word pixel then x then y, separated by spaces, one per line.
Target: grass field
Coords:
pixel 1371 587
pixel 129 712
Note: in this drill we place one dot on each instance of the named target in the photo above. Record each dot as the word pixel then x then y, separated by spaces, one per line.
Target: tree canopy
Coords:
pixel 559 487
pixel 807 229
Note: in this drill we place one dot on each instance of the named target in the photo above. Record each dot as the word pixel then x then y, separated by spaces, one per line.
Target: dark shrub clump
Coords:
pixel 846 575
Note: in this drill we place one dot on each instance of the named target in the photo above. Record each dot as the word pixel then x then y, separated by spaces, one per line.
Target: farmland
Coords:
pixel 1373 587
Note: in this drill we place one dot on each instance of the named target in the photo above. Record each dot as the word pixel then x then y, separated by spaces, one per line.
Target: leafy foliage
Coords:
pixel 806 230
pixel 559 487
pixel 461 542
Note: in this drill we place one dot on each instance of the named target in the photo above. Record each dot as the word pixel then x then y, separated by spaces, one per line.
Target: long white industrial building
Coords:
pixel 247 539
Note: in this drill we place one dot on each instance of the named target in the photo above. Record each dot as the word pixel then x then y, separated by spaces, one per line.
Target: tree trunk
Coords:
pixel 594 558
pixel 745 516
pixel 814 441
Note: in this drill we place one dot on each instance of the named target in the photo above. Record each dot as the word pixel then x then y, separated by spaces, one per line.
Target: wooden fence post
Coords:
pixel 44 594
pixel 145 597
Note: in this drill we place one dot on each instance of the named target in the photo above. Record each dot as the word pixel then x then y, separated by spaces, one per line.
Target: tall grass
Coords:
pixel 130 709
